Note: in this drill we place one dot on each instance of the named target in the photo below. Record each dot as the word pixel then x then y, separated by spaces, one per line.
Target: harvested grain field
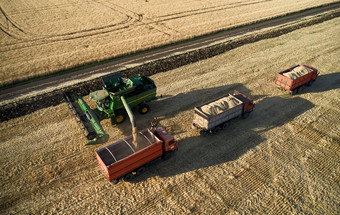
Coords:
pixel 41 37
pixel 283 159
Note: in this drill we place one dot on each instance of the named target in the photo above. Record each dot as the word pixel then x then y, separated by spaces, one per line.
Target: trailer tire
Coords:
pixel 295 91
pixel 128 177
pixel 114 182
pixel 216 130
pixel 245 115
pixel 203 132
pixel 225 125
pixel 140 170
pixel 143 108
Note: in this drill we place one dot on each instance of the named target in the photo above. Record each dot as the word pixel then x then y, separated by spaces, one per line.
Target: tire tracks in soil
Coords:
pixel 155 24
pixel 11 23
pixel 212 9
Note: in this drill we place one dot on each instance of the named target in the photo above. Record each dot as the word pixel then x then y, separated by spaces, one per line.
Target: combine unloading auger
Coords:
pixel 86 118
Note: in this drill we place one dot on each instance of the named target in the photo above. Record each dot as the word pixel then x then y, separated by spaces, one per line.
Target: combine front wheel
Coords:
pixel 119 117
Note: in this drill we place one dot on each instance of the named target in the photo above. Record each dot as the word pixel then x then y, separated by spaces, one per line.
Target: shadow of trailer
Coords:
pixel 201 152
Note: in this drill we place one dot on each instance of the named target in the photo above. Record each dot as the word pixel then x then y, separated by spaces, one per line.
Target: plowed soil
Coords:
pixel 283 159
pixel 41 37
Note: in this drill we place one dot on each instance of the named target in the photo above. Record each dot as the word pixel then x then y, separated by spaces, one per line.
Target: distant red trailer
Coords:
pixel 295 85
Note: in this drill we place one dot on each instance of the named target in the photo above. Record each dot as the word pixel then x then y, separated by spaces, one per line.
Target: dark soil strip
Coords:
pixel 29 105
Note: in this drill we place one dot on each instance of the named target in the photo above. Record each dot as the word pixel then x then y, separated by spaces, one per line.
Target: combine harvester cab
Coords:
pixel 137 90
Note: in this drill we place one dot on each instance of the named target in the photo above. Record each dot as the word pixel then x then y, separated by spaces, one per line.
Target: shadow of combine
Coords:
pixel 169 106
pixel 243 134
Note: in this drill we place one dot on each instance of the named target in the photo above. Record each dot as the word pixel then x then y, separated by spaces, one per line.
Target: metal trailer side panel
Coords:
pixel 121 157
pixel 225 116
pixel 135 161
pixel 290 84
pixel 206 122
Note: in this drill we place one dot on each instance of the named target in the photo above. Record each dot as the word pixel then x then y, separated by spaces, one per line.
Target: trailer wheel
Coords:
pixel 225 125
pixel 140 170
pixel 295 91
pixel 203 132
pixel 245 115
pixel 143 108
pixel 128 177
pixel 114 181
pixel 216 130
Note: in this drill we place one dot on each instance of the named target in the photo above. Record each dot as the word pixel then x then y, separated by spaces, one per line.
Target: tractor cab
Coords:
pixel 169 142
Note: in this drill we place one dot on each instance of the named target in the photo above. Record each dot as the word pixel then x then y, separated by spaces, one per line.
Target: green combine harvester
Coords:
pixel 137 90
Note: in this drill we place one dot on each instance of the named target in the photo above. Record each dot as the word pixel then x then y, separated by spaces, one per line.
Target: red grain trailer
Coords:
pixel 293 79
pixel 123 159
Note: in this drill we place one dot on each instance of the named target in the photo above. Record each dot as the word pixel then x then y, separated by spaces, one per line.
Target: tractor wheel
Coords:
pixel 128 177
pixel 140 170
pixel 143 108
pixel 119 116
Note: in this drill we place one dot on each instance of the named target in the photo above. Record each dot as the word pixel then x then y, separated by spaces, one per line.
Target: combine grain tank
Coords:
pixel 215 115
pixel 295 78
pixel 123 159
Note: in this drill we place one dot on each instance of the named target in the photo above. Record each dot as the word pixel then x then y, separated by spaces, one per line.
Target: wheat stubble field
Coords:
pixel 42 37
pixel 283 159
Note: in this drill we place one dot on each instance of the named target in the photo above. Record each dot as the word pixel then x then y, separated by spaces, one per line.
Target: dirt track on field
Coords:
pixel 283 159
pixel 39 38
